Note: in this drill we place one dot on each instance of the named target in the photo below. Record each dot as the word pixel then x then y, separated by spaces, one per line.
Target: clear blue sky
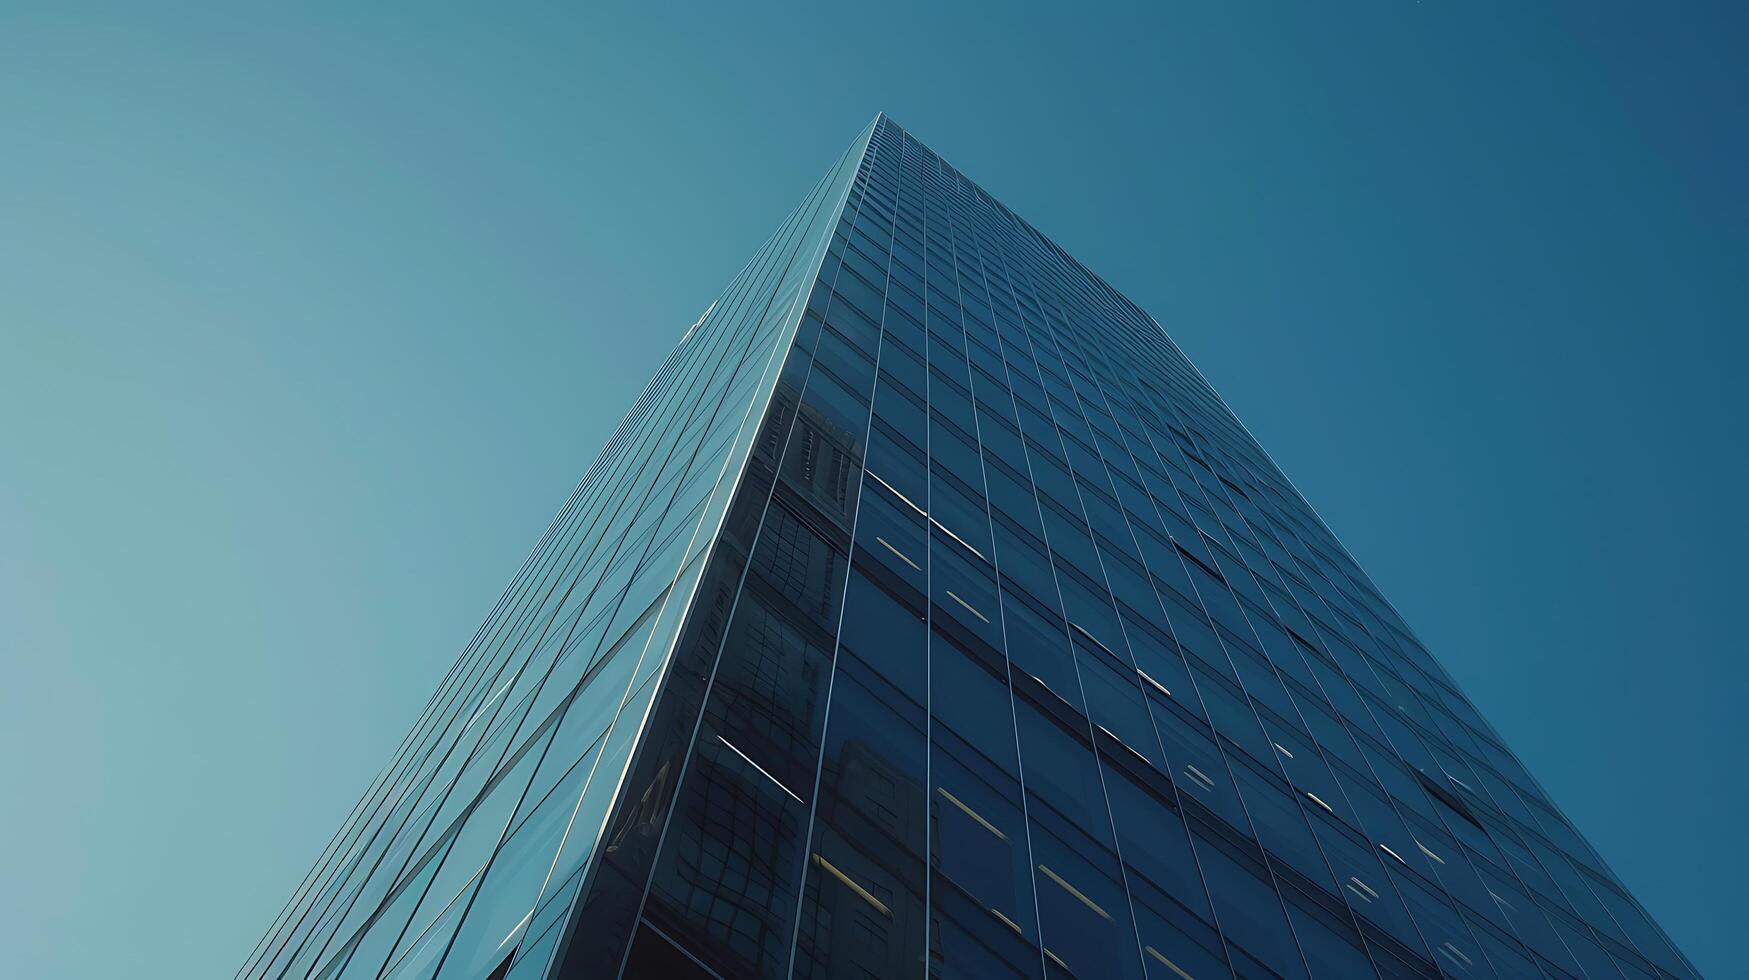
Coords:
pixel 310 318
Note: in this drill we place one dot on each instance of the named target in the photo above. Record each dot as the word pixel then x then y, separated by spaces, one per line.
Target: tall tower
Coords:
pixel 930 615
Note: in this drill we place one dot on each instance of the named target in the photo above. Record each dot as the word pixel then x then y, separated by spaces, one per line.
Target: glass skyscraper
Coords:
pixel 930 615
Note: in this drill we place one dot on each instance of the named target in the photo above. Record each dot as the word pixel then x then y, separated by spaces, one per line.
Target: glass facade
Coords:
pixel 931 615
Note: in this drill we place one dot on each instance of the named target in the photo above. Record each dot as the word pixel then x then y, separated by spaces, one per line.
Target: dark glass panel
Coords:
pixel 1245 902
pixel 862 907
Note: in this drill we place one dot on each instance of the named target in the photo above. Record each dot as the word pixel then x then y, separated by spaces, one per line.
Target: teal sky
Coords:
pixel 310 318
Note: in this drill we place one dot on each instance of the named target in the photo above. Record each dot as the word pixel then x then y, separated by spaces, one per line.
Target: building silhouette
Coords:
pixel 930 615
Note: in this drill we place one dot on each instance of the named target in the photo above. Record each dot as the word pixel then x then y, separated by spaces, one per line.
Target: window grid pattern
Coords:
pixel 931 615
pixel 1078 684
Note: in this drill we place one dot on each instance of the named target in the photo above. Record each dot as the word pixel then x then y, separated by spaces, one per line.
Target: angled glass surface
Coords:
pixel 930 615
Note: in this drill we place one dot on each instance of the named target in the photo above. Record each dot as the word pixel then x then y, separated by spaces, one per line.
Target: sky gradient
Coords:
pixel 310 319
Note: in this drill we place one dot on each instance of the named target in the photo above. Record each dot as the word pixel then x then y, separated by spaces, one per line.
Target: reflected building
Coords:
pixel 930 615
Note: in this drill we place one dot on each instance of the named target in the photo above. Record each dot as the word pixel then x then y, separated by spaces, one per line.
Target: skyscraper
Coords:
pixel 929 614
